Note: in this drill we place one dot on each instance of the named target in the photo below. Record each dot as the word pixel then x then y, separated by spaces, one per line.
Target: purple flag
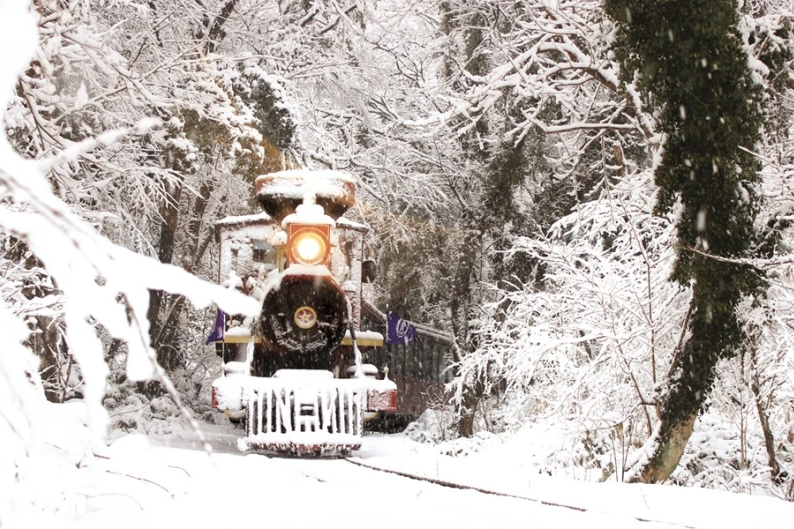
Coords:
pixel 217 330
pixel 399 330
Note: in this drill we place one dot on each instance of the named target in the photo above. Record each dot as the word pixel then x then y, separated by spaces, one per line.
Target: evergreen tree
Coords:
pixel 687 61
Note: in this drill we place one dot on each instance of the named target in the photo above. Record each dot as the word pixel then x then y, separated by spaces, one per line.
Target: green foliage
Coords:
pixel 686 59
pixel 270 106
pixel 690 66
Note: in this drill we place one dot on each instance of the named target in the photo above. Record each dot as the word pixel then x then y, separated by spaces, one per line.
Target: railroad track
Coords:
pixel 452 485
pixel 307 468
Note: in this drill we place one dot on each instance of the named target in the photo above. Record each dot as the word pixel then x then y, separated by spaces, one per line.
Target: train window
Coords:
pixel 264 252
pixel 369 271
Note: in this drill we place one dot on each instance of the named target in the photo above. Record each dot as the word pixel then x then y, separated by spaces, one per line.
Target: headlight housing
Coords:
pixel 308 245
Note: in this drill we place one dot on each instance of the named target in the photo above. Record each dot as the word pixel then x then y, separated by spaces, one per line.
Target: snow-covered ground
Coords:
pixel 169 481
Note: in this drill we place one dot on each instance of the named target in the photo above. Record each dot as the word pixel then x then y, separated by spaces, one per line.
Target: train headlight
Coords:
pixel 308 245
pixel 309 248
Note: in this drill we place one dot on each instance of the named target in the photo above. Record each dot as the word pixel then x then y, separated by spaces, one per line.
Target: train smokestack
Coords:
pixel 281 193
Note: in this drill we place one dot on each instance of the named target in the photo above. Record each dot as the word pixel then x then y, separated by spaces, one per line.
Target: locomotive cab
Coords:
pixel 294 375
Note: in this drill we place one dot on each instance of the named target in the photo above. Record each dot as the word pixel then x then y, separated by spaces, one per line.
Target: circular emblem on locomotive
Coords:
pixel 305 317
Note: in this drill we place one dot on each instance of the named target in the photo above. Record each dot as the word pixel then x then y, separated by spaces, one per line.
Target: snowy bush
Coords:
pixel 433 426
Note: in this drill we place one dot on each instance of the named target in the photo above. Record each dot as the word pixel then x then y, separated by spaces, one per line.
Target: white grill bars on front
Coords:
pixel 303 417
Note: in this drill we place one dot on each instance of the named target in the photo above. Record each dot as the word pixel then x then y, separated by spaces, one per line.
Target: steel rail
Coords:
pixel 450 484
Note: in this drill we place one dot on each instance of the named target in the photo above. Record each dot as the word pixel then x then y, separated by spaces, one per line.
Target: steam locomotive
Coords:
pixel 295 376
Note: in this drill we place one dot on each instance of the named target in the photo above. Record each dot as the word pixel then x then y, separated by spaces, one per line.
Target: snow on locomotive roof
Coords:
pixel 263 218
pixel 342 222
pixel 295 183
pixel 280 193
pixel 242 220
pixel 230 224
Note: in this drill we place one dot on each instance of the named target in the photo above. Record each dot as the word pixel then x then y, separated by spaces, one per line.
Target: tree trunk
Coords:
pixel 769 438
pixel 461 297
pixel 713 334
pixel 157 298
pixel 162 336
pixel 678 413
pixel 465 18
pixel 165 310
pixel 672 438
pixel 472 394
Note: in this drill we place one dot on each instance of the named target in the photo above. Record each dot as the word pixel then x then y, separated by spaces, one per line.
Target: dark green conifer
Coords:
pixel 688 63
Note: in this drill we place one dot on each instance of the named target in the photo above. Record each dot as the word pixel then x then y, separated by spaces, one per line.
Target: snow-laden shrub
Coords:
pixel 594 335
pixel 465 446
pixel 435 425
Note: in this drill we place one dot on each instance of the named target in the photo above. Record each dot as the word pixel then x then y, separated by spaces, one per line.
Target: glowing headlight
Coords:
pixel 308 247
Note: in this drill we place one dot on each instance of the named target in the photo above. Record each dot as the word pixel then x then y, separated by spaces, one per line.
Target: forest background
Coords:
pixel 508 156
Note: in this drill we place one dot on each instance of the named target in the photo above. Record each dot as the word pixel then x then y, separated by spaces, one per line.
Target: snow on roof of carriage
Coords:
pixel 308 213
pixel 342 222
pixel 243 219
pixel 295 183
